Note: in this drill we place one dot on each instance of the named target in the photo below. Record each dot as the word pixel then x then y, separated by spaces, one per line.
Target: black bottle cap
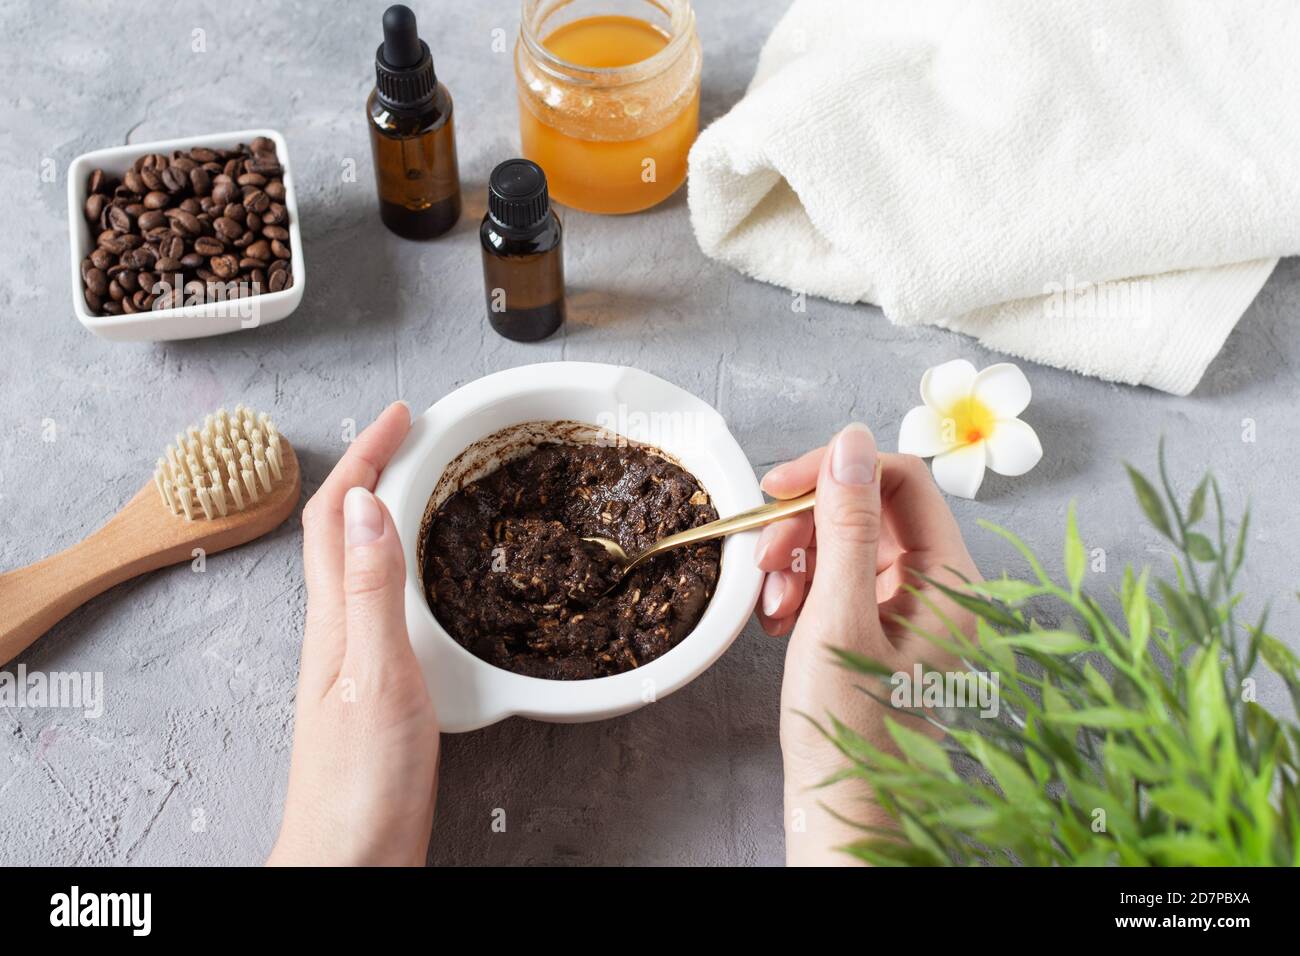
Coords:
pixel 404 73
pixel 517 195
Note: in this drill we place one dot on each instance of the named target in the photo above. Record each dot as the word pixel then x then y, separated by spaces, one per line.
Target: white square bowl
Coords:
pixel 188 321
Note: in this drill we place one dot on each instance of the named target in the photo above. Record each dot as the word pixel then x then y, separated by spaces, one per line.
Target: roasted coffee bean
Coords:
pixel 266 165
pixel 95 203
pixel 119 219
pixel 224 190
pixel 185 223
pixel 225 266
pixel 96 280
pixel 151 219
pixel 208 215
pixel 256 201
pixel 112 241
pixel 141 258
pixel 175 179
pixel 171 247
pixel 228 229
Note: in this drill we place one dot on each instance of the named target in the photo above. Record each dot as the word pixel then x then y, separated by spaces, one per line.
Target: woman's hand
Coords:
pixel 365 751
pixel 879 522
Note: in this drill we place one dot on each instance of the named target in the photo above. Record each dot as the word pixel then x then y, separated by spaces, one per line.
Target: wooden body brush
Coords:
pixel 221 485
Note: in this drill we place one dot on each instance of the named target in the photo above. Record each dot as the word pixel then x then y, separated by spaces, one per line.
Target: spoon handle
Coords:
pixel 746 520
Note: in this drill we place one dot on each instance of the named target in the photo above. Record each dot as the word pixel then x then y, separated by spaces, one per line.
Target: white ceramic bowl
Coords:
pixel 470 693
pixel 191 321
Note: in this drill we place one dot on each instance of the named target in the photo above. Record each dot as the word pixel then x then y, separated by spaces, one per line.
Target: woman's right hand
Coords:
pixel 836 576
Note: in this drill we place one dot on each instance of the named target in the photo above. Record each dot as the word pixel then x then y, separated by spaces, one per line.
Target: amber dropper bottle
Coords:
pixel 523 260
pixel 411 134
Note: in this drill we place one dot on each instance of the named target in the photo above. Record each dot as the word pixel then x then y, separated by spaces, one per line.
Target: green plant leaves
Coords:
pixel 1048 642
pixel 1075 557
pixel 1150 502
pixel 1199 547
pixel 1120 739
pixel 1137 611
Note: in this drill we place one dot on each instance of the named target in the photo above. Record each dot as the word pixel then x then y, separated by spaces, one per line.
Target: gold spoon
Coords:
pixel 745 521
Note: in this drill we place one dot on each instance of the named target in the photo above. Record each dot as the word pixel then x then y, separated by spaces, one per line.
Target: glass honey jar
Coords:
pixel 609 98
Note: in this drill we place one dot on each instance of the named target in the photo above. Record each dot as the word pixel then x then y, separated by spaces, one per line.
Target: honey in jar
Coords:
pixel 609 102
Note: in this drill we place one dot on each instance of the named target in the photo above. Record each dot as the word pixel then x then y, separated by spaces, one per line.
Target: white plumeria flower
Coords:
pixel 969 421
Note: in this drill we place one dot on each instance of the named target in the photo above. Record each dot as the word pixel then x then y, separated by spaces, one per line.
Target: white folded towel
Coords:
pixel 1100 186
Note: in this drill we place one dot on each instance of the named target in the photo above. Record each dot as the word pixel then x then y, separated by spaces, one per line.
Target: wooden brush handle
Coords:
pixel 37 597
pixel 143 536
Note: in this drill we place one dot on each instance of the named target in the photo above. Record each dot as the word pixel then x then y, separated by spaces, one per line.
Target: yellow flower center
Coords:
pixel 968 421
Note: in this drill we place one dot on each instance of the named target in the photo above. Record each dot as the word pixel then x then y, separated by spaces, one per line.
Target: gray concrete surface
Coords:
pixel 188 763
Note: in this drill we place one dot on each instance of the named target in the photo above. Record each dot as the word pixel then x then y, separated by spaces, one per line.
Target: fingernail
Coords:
pixel 410 412
pixel 763 482
pixel 764 542
pixel 773 591
pixel 363 522
pixel 853 459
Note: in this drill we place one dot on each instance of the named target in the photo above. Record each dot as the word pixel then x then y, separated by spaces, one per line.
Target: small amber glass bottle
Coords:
pixel 523 258
pixel 411 134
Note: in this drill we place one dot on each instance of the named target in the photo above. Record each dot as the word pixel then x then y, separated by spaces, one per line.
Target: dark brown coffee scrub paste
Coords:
pixel 508 575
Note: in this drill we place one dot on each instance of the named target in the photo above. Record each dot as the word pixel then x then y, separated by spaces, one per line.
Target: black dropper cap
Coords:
pixel 404 74
pixel 517 197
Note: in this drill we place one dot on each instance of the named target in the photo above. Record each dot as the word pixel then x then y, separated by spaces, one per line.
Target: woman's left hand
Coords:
pixel 363 774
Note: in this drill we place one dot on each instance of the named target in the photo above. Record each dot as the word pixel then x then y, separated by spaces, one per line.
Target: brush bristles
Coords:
pixel 223 467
